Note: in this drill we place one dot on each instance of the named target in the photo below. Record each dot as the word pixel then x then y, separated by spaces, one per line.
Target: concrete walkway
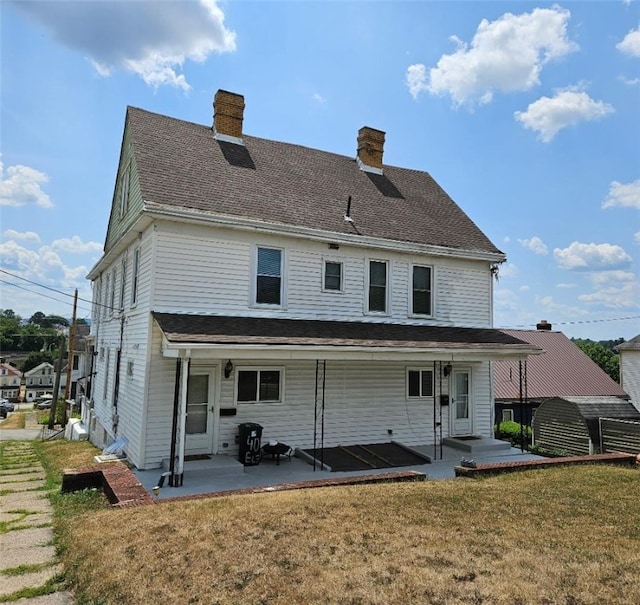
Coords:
pixel 27 554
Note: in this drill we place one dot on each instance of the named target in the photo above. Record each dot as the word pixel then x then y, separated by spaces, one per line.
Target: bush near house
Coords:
pixel 514 432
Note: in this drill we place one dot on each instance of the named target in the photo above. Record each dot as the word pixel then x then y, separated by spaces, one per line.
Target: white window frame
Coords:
pixel 106 374
pixel 507 412
pixel 135 275
pixel 254 288
pixel 421 370
pixel 123 281
pixel 107 288
pixel 112 294
pixel 333 261
pixel 412 311
pixel 259 369
pixel 368 311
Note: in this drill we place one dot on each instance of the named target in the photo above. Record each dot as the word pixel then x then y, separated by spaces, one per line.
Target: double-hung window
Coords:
pixel 332 276
pixel 377 287
pixel 259 386
pixel 269 276
pixel 421 291
pixel 134 278
pixel 419 383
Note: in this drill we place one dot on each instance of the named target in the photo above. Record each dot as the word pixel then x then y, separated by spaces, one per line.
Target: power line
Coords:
pixel 53 290
pixel 31 291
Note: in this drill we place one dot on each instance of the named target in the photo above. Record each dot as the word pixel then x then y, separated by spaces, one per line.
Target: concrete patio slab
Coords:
pixel 11 584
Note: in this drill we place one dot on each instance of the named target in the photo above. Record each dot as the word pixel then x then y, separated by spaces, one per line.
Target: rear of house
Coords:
pixel 329 299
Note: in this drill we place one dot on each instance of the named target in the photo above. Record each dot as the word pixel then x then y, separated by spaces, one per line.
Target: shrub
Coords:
pixel 513 432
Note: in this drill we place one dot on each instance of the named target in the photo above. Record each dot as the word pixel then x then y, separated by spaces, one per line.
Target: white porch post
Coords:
pixel 183 411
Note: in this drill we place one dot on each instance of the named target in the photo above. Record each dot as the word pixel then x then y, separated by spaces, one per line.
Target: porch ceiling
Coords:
pixel 269 338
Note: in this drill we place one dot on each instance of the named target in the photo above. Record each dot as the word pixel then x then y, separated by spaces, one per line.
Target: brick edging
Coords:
pixel 123 489
pixel 495 468
pixel 119 483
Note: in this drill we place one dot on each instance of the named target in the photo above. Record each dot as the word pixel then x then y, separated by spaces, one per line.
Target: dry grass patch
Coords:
pixel 14 420
pixel 566 535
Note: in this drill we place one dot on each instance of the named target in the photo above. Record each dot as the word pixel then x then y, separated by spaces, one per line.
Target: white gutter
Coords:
pixel 246 224
pixel 344 353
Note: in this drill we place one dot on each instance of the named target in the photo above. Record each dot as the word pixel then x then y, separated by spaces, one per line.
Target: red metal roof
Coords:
pixel 563 370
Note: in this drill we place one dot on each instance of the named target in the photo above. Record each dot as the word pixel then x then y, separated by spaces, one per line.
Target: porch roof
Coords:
pixel 259 337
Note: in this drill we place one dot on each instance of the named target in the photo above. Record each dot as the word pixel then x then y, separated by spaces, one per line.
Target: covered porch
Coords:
pixel 346 383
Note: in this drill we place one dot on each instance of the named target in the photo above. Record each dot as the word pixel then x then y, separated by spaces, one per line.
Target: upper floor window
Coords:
pixel 332 275
pixel 123 281
pixel 112 295
pixel 269 276
pixel 377 286
pixel 105 304
pixel 134 280
pixel 421 291
pixel 420 383
pixel 258 386
pixel 124 192
pixel 76 362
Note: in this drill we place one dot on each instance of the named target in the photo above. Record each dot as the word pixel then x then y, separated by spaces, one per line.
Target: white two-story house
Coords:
pixel 39 381
pixel 330 299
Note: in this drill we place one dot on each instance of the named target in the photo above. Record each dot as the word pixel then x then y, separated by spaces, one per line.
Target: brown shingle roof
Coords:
pixel 563 370
pixel 181 165
pixel 214 329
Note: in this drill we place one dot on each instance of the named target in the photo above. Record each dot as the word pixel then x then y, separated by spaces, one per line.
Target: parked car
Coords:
pixel 8 404
pixel 5 408
pixel 43 403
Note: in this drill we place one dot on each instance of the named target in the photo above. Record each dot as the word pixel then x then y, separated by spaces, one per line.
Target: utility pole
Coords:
pixel 72 341
pixel 56 386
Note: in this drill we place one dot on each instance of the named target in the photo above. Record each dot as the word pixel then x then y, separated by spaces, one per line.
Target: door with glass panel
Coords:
pixel 461 402
pixel 200 407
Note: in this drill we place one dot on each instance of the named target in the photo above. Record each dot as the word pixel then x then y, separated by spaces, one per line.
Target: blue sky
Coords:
pixel 527 114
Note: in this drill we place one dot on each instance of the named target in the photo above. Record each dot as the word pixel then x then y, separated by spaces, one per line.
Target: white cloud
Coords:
pixel 624 296
pixel 624 195
pixel 416 79
pixel 565 286
pixel 506 55
pixel 524 288
pixel 548 116
pixel 630 44
pixel 318 98
pixel 21 187
pixel 29 236
pixel 636 237
pixel 508 270
pixel 591 257
pixel 150 39
pixel 76 246
pixel 535 244
pixel 603 278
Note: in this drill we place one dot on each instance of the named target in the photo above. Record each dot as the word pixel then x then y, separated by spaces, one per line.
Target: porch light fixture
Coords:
pixel 228 369
pixel 447 369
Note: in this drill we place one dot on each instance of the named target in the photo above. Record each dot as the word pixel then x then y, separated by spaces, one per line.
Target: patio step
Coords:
pixel 478 445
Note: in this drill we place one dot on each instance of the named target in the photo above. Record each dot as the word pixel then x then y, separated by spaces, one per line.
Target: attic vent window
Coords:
pixel 124 192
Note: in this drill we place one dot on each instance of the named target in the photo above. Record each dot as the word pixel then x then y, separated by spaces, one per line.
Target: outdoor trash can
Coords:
pixel 250 443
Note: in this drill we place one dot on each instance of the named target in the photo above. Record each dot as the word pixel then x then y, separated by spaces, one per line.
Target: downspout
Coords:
pixel 435 415
pixel 174 426
pixel 183 418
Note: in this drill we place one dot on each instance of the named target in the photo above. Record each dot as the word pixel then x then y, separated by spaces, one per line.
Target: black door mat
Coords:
pixel 194 457
pixel 366 457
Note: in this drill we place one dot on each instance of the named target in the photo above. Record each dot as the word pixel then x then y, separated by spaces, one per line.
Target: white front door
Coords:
pixel 199 425
pixel 461 408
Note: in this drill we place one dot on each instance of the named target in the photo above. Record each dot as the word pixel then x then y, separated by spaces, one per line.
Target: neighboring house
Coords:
pixel 39 381
pixel 80 365
pixel 571 425
pixel 330 299
pixel 629 352
pixel 10 378
pixel 562 370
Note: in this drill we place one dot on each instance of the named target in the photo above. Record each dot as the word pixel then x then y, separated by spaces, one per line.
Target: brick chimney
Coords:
pixel 370 149
pixel 228 112
pixel 544 325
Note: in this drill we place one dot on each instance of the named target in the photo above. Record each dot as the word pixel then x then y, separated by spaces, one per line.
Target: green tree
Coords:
pixel 9 330
pixel 603 356
pixel 36 358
